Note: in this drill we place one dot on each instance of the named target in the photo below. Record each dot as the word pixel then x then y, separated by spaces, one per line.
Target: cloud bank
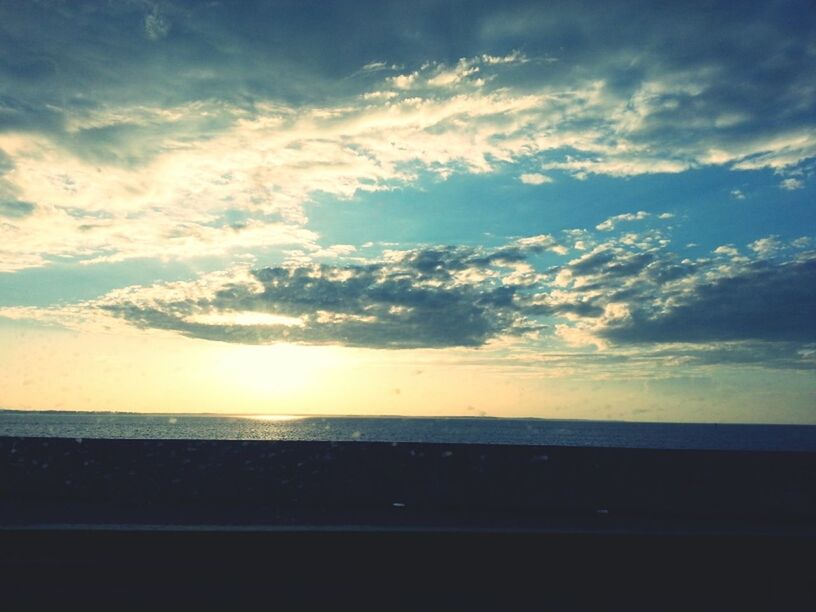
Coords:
pixel 625 296
pixel 424 298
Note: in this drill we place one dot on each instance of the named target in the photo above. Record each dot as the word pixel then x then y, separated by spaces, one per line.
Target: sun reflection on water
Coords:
pixel 272 417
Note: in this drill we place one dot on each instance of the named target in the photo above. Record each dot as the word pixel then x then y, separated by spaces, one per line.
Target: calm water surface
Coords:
pixel 398 429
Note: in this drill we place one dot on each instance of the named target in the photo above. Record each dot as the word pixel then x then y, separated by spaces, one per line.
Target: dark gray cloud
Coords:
pixel 726 309
pixel 749 57
pixel 773 301
pixel 412 302
pixel 643 293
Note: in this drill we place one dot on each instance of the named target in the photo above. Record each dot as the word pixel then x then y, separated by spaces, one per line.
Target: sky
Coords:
pixel 558 210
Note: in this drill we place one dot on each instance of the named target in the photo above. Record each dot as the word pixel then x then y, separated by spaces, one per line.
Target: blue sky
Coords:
pixel 571 191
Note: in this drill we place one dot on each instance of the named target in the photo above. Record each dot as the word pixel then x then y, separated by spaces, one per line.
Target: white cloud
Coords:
pixel 727 249
pixel 535 179
pixel 766 246
pixel 404 81
pixel 334 251
pixel 618 166
pixel 737 194
pixel 467 72
pixel 374 66
pixel 791 184
pixel 541 242
pixel 611 222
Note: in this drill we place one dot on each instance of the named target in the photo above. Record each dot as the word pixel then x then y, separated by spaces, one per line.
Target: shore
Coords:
pixel 180 483
pixel 316 525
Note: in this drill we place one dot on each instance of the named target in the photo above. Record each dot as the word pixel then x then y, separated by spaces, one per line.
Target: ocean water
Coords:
pixel 399 429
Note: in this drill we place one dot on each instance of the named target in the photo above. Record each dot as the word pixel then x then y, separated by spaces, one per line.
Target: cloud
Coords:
pixel 762 301
pixel 183 166
pixel 94 118
pixel 639 292
pixel 535 179
pixel 621 165
pixel 630 300
pixel 468 72
pixel 791 184
pixel 737 194
pixel 776 354
pixel 766 247
pixel 610 223
pixel 210 139
pixel 727 249
pixel 424 298
pixel 625 294
pixel 156 25
pixel 375 66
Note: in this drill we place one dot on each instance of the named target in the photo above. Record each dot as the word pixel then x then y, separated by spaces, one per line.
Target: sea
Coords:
pixel 451 430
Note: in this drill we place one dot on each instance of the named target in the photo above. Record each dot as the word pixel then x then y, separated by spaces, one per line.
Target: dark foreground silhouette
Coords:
pixel 404 526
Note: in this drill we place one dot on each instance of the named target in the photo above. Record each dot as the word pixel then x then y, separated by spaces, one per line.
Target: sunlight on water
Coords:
pixel 272 417
pixel 288 427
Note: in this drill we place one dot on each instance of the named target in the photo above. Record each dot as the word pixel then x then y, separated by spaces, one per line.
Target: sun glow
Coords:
pixel 278 371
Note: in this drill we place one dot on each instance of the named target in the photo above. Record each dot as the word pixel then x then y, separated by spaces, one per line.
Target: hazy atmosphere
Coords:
pixel 416 208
